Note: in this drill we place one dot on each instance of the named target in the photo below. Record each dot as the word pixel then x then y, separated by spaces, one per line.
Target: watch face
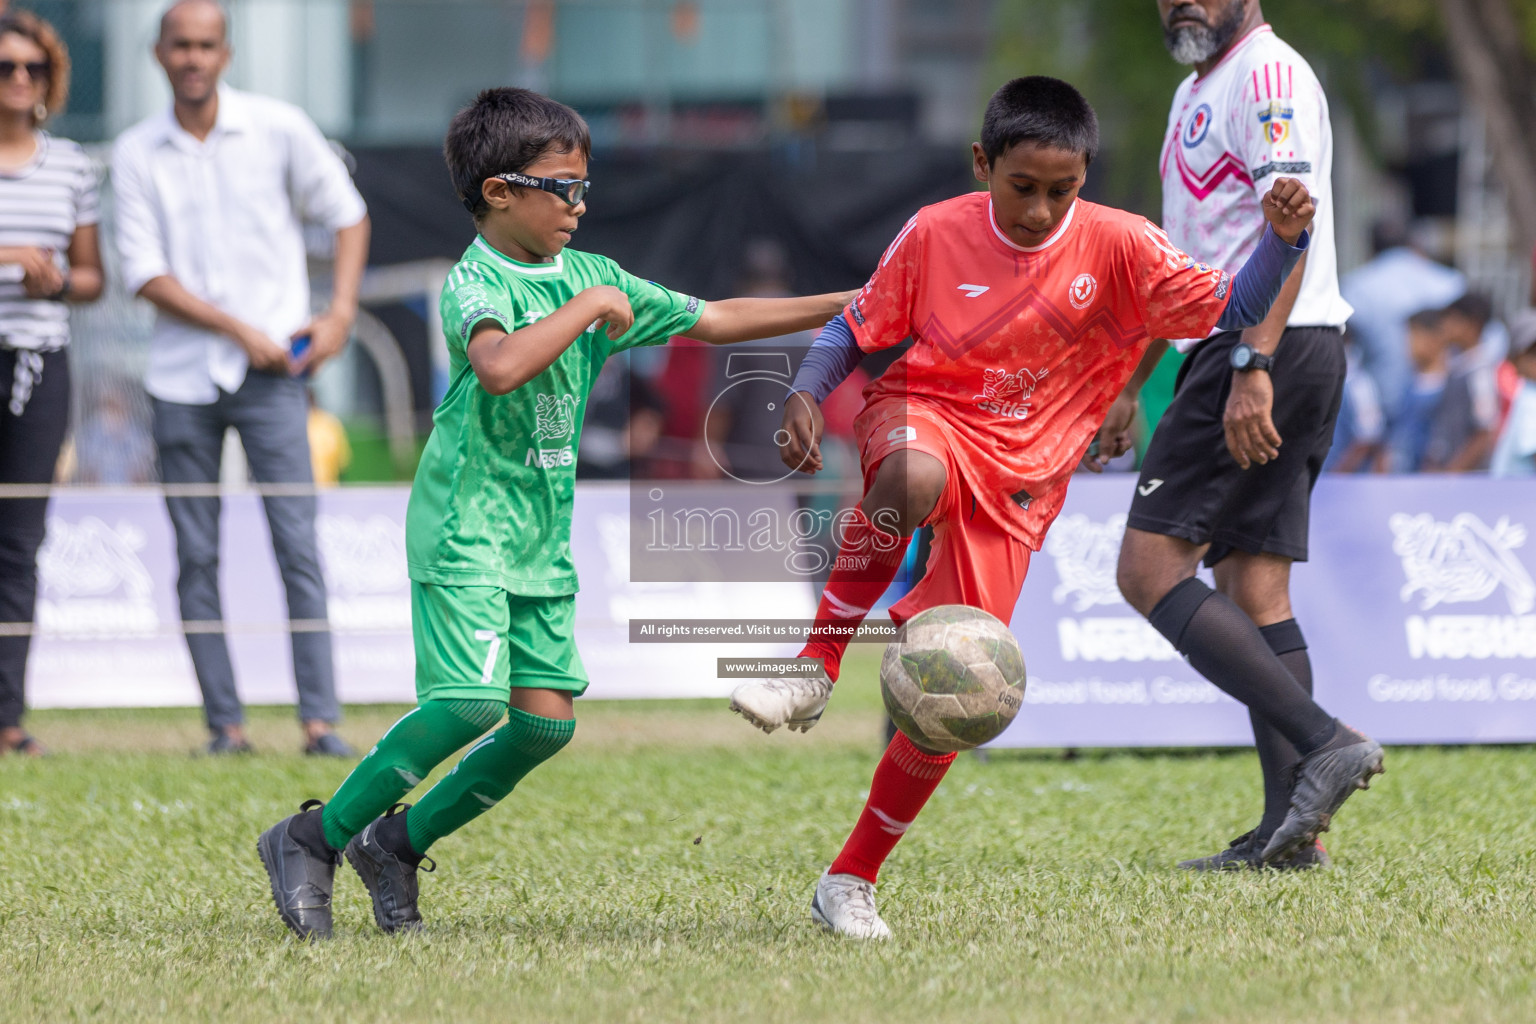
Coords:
pixel 1242 355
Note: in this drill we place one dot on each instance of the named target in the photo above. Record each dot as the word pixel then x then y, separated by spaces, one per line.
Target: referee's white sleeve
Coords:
pixel 140 235
pixel 322 188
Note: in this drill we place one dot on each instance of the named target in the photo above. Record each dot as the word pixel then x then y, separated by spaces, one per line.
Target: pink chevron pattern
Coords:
pixel 1202 185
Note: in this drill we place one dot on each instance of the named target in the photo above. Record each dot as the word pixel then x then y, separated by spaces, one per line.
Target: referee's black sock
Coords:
pixel 1276 755
pixel 1224 645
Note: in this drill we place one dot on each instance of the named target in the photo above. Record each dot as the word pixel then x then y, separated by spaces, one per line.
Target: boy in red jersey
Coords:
pixel 1030 312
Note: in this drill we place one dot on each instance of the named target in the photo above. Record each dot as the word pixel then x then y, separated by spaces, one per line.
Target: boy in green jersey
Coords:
pixel 529 324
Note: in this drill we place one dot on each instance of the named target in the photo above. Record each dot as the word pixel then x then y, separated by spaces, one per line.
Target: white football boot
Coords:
pixel 795 701
pixel 845 904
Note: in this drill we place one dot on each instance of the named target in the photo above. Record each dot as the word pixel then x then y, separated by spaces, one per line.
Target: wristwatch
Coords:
pixel 1245 357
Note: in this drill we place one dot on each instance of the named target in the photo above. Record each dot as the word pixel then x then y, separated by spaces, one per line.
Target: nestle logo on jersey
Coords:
pixel 998 385
pixel 549 458
pixel 554 417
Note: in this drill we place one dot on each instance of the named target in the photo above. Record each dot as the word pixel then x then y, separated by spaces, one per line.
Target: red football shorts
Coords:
pixel 973 560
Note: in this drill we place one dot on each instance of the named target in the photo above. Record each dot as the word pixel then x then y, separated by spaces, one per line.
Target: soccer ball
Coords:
pixel 953 678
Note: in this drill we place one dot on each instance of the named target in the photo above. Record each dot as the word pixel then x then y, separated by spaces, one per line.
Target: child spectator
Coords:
pixel 1515 453
pixel 1361 427
pixel 1466 423
pixel 1427 353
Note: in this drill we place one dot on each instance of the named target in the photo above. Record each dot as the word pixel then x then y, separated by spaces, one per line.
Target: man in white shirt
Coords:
pixel 211 197
pixel 1229 472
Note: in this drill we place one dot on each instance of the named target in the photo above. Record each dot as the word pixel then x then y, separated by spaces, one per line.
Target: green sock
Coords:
pixel 486 775
pixel 410 750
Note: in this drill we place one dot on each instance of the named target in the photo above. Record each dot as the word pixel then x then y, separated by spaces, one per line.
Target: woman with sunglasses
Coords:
pixel 49 255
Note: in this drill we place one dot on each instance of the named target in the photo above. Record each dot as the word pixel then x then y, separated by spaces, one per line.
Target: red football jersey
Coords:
pixel 1023 350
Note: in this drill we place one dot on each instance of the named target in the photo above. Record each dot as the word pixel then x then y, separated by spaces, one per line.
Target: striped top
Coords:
pixel 41 204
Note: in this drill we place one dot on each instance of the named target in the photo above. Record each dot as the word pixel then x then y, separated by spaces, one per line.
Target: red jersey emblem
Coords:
pixel 1083 289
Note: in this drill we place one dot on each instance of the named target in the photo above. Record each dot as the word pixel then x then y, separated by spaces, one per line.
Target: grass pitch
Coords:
pixel 661 868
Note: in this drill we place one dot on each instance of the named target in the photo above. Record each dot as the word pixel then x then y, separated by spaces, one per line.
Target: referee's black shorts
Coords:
pixel 1190 485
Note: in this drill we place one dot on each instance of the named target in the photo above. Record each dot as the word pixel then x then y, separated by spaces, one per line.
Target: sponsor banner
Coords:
pixel 108 629
pixel 107 623
pixel 1418 605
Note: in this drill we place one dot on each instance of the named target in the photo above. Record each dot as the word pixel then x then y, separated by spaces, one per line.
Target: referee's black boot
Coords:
pixel 383 858
pixel 1242 854
pixel 1325 778
pixel 302 870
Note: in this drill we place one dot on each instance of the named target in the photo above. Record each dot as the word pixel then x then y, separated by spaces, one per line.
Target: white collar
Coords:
pixel 234 115
pixel 540 269
pixel 1061 229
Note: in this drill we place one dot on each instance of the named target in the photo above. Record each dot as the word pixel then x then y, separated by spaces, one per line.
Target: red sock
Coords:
pixel 866 563
pixel 904 780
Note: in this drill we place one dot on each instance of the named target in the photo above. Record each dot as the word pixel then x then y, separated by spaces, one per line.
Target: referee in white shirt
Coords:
pixel 210 199
pixel 1228 475
pixel 48 255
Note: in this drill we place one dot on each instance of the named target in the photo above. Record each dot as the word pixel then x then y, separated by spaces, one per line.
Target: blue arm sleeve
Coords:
pixel 1256 286
pixel 829 361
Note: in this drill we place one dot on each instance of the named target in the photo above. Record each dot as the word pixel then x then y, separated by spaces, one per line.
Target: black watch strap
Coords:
pixel 1246 358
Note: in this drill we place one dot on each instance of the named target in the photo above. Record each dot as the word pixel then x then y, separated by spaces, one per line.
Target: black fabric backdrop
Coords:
pixel 684 218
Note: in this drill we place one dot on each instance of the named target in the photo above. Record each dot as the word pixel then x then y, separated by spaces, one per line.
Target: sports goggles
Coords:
pixel 572 190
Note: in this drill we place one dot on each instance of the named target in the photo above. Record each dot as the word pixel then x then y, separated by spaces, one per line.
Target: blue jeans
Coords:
pixel 269 412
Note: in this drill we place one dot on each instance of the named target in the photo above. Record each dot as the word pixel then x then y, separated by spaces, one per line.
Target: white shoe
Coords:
pixel 795 701
pixel 845 904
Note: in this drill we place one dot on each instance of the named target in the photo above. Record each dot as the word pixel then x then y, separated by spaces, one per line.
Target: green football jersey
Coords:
pixel 491 505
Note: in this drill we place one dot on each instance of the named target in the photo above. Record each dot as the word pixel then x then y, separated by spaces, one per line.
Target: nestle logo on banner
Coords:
pixel 1465 561
pixel 92 583
pixel 1085 553
pixel 365 575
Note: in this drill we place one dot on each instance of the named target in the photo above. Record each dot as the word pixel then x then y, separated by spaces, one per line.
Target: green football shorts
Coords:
pixel 476 643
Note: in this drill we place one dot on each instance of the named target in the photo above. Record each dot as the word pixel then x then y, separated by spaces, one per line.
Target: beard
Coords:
pixel 1195 44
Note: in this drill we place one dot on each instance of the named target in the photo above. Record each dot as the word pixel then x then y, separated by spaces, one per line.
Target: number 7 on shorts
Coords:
pixel 490 657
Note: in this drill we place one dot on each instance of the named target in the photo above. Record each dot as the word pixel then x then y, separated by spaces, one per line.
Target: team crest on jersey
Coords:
pixel 1007 394
pixel 1084 288
pixel 1276 119
pixel 1199 124
pixel 554 417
